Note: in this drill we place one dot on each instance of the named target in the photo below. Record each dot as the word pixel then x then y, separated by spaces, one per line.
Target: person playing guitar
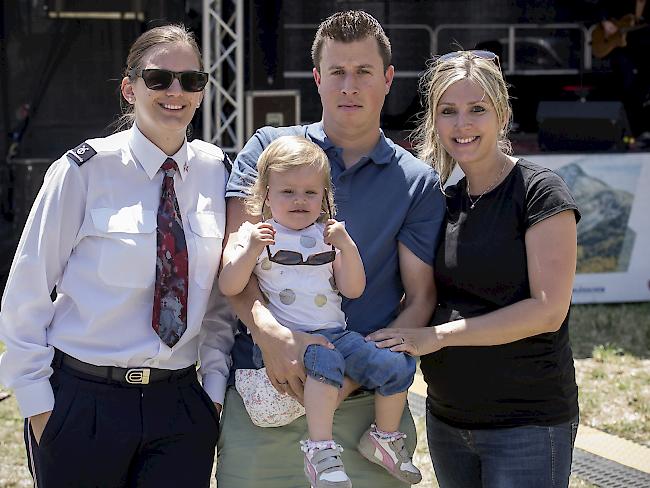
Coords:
pixel 623 38
pixel 612 33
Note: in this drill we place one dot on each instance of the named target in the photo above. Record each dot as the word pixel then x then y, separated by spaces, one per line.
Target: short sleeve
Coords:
pixel 421 229
pixel 547 194
pixel 244 169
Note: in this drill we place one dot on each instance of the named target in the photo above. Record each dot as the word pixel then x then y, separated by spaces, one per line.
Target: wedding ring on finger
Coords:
pixel 402 340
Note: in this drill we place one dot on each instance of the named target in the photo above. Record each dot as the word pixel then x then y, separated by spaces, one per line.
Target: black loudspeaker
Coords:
pixel 582 126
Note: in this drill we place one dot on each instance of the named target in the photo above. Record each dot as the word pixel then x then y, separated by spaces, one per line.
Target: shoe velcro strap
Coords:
pixel 401 450
pixel 326 459
pixel 327 464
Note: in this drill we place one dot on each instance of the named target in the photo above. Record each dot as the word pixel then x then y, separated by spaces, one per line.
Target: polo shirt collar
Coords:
pixel 382 153
pixel 151 157
pixel 317 134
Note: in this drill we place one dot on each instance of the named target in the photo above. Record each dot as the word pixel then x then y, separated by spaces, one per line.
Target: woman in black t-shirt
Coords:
pixel 502 404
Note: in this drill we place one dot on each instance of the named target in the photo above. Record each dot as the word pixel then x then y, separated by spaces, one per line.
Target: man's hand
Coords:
pixel 283 351
pixel 38 423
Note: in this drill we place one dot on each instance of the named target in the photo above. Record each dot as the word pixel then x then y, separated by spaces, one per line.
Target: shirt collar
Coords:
pixel 382 153
pixel 151 157
pixel 317 134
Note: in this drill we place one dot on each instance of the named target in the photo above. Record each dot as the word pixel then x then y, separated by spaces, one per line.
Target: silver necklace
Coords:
pixel 474 202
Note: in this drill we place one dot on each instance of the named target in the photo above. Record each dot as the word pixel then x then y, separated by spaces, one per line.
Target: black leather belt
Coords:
pixel 126 376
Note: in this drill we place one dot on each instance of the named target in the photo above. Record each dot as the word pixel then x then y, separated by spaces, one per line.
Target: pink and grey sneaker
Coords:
pixel 389 451
pixel 323 465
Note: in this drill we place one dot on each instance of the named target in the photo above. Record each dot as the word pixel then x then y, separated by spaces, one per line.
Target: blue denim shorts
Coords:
pixel 382 370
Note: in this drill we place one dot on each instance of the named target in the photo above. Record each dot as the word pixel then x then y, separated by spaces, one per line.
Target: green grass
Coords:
pixel 624 327
pixel 611 345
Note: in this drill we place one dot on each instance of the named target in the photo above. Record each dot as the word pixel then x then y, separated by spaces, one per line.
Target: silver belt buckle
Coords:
pixel 137 376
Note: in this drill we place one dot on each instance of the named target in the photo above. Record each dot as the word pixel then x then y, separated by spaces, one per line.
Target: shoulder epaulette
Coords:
pixel 214 151
pixel 82 153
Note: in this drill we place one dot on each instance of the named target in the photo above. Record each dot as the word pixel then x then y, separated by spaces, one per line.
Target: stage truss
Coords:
pixel 223 58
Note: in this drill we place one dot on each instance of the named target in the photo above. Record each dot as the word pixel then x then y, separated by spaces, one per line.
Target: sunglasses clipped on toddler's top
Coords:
pixel 161 79
pixel 293 258
pixel 476 53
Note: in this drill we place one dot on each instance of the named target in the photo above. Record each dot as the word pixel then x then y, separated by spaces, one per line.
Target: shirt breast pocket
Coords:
pixel 128 247
pixel 207 233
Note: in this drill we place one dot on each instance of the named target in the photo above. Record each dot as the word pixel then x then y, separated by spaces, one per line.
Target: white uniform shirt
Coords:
pixel 301 298
pixel 92 234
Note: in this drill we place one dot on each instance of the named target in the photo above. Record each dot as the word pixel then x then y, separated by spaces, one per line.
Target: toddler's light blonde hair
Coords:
pixel 285 154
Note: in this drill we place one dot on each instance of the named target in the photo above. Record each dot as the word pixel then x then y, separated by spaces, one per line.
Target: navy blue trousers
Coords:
pixel 112 435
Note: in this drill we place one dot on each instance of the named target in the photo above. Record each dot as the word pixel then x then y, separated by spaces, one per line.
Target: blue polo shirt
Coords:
pixel 387 197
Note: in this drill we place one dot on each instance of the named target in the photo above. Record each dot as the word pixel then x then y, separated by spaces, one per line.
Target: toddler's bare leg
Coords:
pixel 388 411
pixel 320 404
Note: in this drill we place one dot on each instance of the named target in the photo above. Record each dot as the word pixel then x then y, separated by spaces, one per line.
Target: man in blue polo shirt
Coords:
pixel 392 207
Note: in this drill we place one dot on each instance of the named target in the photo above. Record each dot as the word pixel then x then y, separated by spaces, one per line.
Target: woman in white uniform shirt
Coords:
pixel 105 376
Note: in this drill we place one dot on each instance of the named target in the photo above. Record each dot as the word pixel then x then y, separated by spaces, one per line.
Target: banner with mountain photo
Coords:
pixel 613 194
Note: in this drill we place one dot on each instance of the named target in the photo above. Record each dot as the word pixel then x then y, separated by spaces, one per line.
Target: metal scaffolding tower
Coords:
pixel 223 58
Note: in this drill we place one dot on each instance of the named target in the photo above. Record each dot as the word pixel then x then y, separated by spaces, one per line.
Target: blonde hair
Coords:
pixel 284 154
pixel 439 76
pixel 164 34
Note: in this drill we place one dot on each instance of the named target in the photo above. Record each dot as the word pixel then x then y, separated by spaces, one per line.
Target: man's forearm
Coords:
pixel 417 312
pixel 420 294
pixel 250 308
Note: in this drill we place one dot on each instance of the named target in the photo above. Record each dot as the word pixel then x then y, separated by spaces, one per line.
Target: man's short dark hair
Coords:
pixel 350 26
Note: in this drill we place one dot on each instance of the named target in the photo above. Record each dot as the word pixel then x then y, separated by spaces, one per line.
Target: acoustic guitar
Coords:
pixel 602 45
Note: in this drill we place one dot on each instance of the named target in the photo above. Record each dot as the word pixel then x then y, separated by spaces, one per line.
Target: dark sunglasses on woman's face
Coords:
pixel 293 258
pixel 161 79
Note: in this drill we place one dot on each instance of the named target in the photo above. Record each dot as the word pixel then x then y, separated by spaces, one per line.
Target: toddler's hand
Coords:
pixel 336 235
pixel 263 234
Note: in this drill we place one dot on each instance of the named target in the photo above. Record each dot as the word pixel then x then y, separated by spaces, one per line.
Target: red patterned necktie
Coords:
pixel 170 293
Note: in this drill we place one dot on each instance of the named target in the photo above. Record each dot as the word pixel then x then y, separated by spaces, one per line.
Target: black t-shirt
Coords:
pixel 481 266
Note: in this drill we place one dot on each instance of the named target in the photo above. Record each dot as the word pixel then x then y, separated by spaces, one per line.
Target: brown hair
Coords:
pixel 439 76
pixel 284 154
pixel 350 26
pixel 165 34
